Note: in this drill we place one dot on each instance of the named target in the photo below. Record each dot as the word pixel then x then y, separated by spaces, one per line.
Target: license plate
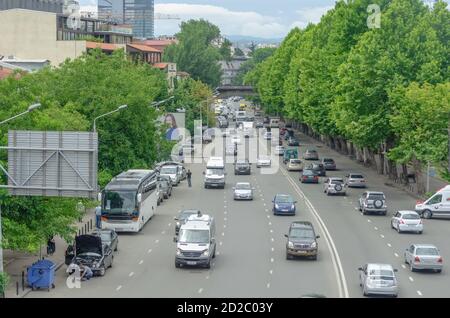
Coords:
pixel 191 263
pixel 301 252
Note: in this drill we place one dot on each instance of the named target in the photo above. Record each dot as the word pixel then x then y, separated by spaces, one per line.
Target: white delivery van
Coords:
pixel 438 204
pixel 215 173
pixel 274 122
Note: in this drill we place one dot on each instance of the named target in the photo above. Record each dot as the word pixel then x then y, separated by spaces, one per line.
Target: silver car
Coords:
pixel 378 279
pixel 355 180
pixel 311 154
pixel 407 221
pixel 263 161
pixel 373 202
pixel 423 256
pixel 334 186
pixel 243 191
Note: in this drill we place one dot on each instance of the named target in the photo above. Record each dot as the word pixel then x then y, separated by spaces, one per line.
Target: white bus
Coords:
pixel 129 200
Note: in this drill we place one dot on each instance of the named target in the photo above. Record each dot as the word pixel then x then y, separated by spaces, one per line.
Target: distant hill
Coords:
pixel 247 39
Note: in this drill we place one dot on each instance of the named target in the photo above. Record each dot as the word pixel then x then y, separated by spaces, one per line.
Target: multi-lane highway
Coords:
pixel 251 260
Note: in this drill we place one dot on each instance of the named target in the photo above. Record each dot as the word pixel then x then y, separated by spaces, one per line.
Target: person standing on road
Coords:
pixel 51 246
pixel 98 217
pixel 189 176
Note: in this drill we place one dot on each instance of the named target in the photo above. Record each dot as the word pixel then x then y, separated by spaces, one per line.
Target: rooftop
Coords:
pixel 144 48
pixel 103 46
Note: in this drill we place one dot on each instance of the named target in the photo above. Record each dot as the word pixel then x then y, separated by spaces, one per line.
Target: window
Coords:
pixel 436 199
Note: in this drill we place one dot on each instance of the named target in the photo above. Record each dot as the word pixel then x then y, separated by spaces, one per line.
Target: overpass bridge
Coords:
pixel 234 90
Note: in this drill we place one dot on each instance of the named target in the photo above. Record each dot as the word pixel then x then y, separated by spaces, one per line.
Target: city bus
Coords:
pixel 129 200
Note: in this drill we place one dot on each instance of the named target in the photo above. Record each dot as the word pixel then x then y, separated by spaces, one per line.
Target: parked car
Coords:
pixel 243 191
pixel 424 256
pixel 259 124
pixel 283 204
pixel 231 150
pixel 309 176
pixel 279 150
pixel 263 161
pixel 378 279
pixel 166 186
pixel 355 180
pixel 295 165
pixel 311 154
pixel 334 185
pixel 373 202
pixel 182 218
pixel 438 204
pixel 92 253
pixel 293 142
pixel 407 221
pixel 329 163
pixel 319 168
pixel 242 166
pixel 109 237
pixel 267 135
pixel 301 240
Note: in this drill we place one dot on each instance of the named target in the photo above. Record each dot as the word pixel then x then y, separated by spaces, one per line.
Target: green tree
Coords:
pixel 195 52
pixel 225 50
pixel 248 66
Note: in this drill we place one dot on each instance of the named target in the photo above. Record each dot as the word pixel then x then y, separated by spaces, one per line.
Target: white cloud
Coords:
pixel 312 14
pixel 230 22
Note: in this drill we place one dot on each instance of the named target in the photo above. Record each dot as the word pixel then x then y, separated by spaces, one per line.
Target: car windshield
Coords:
pixel 194 236
pixel 283 199
pixel 243 186
pixel 311 151
pixel 263 158
pixel 308 173
pixel 376 196
pixel 356 176
pixel 383 274
pixel 328 160
pixel 427 251
pixel 411 216
pixel 214 172
pixel 168 170
pixel 295 161
pixel 186 214
pixel 241 163
pixel 337 181
pixel 299 233
pixel 119 202
pixel 105 236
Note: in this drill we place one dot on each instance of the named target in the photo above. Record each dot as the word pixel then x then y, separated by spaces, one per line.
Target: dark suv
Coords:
pixel 301 240
pixel 242 167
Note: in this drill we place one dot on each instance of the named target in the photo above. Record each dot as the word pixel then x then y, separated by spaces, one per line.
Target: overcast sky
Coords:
pixel 260 18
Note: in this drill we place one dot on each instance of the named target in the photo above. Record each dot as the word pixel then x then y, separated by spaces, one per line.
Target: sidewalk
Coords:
pixel 16 263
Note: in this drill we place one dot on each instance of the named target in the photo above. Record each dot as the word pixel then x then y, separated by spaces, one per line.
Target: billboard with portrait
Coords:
pixel 176 125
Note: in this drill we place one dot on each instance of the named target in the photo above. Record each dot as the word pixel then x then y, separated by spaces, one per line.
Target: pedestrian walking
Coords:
pixel 189 176
pixel 98 217
pixel 51 246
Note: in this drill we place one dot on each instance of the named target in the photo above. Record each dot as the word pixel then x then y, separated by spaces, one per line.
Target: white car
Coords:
pixel 378 279
pixel 243 191
pixel 407 221
pixel 263 162
pixel 295 165
pixel 267 135
pixel 279 150
pixel 423 256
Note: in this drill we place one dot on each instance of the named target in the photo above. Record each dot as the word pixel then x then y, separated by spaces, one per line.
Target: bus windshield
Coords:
pixel 119 202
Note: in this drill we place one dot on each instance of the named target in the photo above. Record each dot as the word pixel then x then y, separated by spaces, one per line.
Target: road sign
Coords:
pixel 432 172
pixel 52 163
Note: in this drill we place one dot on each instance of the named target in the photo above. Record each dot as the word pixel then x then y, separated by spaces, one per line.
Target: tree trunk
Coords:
pixel 417 166
pixel 359 154
pixel 343 145
pixel 366 156
pixel 405 174
pixel 352 149
pixel 381 151
pixel 392 169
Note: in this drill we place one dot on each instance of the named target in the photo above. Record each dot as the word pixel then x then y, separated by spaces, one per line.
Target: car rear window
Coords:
pixel 427 251
pixel 356 176
pixel 308 173
pixel 336 181
pixel 296 161
pixel 311 151
pixel 328 160
pixel 376 197
pixel 411 216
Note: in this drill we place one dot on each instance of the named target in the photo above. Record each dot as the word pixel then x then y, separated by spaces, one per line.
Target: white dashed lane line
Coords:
pixel 395 254
pixel 131 274
pixel 272 249
pixel 381 235
pixel 272 260
pixel 375 228
pixel 119 288
pixel 169 224
pixel 220 243
pixel 224 226
pixel 272 239
pixel 223 234
pixel 410 278
pixel 200 290
pixel 156 241
pixel 369 220
pixel 271 272
pixel 268 285
pixel 149 251
pixel 419 293
pixel 403 266
pixel 140 262
pixel 163 232
pixel 389 245
pixel 270 223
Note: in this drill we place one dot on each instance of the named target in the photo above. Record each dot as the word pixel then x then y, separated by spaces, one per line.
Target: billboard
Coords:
pixel 52 163
pixel 176 124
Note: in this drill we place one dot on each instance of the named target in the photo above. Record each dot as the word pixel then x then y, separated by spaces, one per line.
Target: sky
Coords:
pixel 259 18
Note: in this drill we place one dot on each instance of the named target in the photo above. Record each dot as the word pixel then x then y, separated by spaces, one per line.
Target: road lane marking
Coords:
pixel 200 290
pixel 220 243
pixel 389 245
pixel 345 198
pixel 225 219
pixel 271 231
pixel 272 249
pixel 169 224
pixel 264 204
pixel 157 241
pixel 356 209
pixel 268 285
pixel 131 274
pixel 271 272
pixel 163 232
pixel 395 254
pixel 411 279
pixel 268 216
pixel 270 223
pixel 381 235
pixel 224 226
pixel 419 293
pixel 119 288
pixel 271 260
pixel 149 251
pixel 351 202
pixel 217 253
pixel 337 264
pixel 403 265
pixel 272 239
pixel 375 228
pixel 140 262
pixel 207 277
pixel 223 234
pixel 225 212
pixel 368 220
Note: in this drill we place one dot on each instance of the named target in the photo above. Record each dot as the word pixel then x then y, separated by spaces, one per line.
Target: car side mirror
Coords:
pixel 295 201
pixel 360 268
pixel 175 218
pixel 203 172
pixel 253 188
pixel 317 236
pixel 285 235
pixel 139 197
pixel 175 239
pixel 395 270
pixel 234 188
pixel 99 196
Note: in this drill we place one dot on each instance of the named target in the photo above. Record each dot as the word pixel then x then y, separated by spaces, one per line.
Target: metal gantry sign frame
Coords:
pixel 52 163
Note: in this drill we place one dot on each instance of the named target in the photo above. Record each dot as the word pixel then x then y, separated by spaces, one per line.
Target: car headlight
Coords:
pixel 293 206
pixel 290 244
pixel 94 265
pixel 178 224
pixel 205 253
pixel 313 245
pixel 277 206
pixel 178 251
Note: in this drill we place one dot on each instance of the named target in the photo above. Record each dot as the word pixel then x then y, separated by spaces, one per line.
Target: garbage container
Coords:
pixel 41 275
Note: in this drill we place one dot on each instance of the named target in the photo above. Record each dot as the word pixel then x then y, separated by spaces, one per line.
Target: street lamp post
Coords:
pixel 30 109
pixel 109 113
pixel 156 104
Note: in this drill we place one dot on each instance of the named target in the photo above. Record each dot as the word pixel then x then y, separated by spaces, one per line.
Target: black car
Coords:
pixel 301 240
pixel 242 167
pixel 108 237
pixel 182 218
pixel 288 134
pixel 293 142
pixel 309 176
pixel 266 120
pixel 92 253
pixel 319 168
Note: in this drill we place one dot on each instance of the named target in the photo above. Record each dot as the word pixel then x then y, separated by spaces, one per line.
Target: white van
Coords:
pixel 274 122
pixel 438 204
pixel 196 241
pixel 215 173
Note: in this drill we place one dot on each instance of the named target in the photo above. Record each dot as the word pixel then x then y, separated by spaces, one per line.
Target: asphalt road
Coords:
pixel 250 259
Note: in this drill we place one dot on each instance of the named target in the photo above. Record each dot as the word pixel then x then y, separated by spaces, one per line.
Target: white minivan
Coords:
pixel 215 173
pixel 438 204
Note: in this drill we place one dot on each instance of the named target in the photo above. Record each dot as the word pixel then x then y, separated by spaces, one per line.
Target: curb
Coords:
pixel 28 290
